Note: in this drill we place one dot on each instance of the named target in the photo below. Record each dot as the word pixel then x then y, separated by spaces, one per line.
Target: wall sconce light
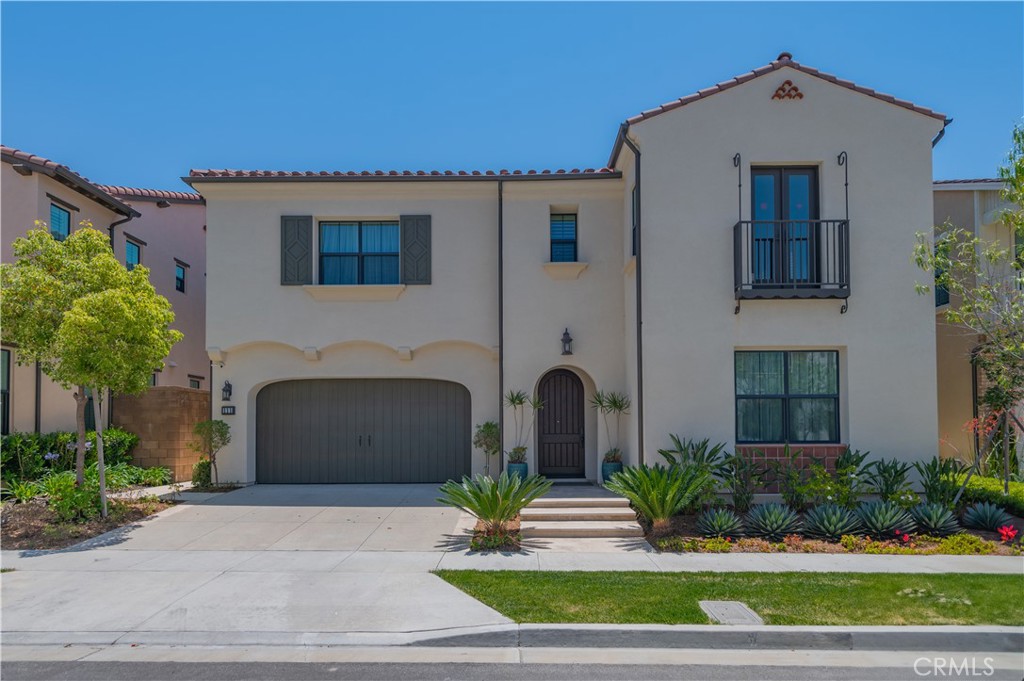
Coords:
pixel 566 343
pixel 225 392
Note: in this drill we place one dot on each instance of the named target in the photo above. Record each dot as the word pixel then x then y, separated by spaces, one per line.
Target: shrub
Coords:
pixel 991 490
pixel 69 501
pixel 155 476
pixel 884 518
pixel 28 456
pixel 831 522
pixel 790 477
pixel 742 476
pixel 201 473
pixel 935 520
pixel 501 540
pixel 965 545
pixel 21 456
pixel 694 545
pixel 986 516
pixel 493 502
pixel 117 446
pixel 772 521
pixel 23 491
pixel 658 493
pixel 719 522
pixel 940 479
pixel 888 479
pixel 843 486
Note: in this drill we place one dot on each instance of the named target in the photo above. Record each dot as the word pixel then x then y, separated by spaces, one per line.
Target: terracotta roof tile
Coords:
pixel 980 180
pixel 142 193
pixel 224 173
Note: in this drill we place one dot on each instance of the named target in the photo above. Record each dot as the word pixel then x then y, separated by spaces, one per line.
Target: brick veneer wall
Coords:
pixel 163 417
pixel 766 454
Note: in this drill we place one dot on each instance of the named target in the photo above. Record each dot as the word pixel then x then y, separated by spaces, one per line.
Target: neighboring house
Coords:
pixel 165 231
pixel 760 229
pixel 976 206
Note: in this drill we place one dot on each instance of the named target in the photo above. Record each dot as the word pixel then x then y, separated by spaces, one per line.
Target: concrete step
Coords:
pixel 579 502
pixel 590 528
pixel 579 513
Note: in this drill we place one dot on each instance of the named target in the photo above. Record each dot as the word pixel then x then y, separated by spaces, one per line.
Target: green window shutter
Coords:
pixel 416 249
pixel 296 250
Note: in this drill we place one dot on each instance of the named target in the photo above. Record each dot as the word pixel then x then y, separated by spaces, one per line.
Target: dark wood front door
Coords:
pixel 560 426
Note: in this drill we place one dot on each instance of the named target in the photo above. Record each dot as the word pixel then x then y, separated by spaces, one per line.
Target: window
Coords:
pixel 60 222
pixel 179 276
pixel 195 382
pixel 563 237
pixel 359 252
pixel 787 396
pixel 5 392
pixel 132 254
pixel 152 380
pixel 784 210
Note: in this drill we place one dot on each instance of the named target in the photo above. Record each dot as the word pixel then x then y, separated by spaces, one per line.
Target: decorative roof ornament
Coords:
pixel 787 91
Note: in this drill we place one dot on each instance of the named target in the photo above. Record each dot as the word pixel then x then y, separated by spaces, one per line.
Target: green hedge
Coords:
pixel 29 456
pixel 991 490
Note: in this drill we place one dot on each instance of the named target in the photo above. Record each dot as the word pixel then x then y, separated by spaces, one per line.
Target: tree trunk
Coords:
pixel 213 465
pixel 81 401
pixel 97 404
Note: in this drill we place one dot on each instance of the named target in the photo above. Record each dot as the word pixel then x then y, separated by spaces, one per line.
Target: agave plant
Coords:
pixel 831 522
pixel 986 516
pixel 881 518
pixel 772 521
pixel 719 522
pixel 658 493
pixel 493 502
pixel 935 519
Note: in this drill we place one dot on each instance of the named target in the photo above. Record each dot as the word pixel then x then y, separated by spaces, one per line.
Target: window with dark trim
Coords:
pixel 563 237
pixel 359 253
pixel 179 276
pixel 60 222
pixel 5 392
pixel 132 254
pixel 195 383
pixel 787 396
pixel 152 380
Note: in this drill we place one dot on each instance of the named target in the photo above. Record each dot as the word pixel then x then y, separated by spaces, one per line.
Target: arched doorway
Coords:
pixel 560 425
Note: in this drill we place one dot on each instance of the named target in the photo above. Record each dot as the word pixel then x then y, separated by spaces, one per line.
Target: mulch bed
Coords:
pixel 33 526
pixel 213 488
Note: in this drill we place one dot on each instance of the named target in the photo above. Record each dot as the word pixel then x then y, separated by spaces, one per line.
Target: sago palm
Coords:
pixel 658 493
pixel 493 502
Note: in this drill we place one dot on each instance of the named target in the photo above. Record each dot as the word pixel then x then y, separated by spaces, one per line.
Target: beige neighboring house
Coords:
pixel 741 268
pixel 163 230
pixel 974 205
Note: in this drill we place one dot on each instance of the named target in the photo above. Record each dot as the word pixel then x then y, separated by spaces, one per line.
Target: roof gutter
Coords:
pixel 942 133
pixel 75 182
pixel 623 138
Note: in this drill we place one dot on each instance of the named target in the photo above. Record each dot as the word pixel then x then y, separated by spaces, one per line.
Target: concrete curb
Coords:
pixel 644 636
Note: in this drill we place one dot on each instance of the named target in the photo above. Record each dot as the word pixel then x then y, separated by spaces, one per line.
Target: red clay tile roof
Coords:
pixel 981 180
pixel 783 60
pixel 65 175
pixel 157 194
pixel 196 174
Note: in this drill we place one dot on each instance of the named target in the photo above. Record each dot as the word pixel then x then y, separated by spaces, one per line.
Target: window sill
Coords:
pixel 355 293
pixel 565 270
pixel 630 266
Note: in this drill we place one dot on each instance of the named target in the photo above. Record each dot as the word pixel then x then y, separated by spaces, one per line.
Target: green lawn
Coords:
pixel 780 598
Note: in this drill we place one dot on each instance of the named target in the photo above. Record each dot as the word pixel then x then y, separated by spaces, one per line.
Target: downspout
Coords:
pixel 639 298
pixel 110 393
pixel 39 399
pixel 115 224
pixel 501 326
pixel 942 133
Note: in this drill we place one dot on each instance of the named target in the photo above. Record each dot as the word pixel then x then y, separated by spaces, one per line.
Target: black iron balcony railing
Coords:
pixel 791 259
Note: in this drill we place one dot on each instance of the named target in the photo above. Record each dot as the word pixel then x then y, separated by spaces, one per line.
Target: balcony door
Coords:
pixel 784 209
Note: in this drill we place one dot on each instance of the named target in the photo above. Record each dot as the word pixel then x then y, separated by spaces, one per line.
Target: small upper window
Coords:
pixel 179 277
pixel 152 379
pixel 563 237
pixel 60 222
pixel 359 252
pixel 132 254
pixel 194 383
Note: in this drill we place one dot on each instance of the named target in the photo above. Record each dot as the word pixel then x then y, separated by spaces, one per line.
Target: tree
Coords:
pixel 213 436
pixel 45 280
pixel 985 281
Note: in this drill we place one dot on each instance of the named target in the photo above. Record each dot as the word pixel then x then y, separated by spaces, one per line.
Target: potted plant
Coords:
pixel 488 440
pixel 611 404
pixel 519 402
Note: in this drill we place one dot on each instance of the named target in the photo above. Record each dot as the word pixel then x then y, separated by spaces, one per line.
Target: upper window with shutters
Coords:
pixel 355 259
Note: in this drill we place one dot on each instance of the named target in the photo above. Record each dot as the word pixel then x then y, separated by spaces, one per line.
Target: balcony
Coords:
pixel 791 259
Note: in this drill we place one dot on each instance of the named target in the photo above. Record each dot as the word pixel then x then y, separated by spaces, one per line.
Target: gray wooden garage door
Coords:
pixel 362 430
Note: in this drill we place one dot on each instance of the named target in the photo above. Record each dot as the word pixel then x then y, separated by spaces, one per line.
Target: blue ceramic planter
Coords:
pixel 520 469
pixel 610 469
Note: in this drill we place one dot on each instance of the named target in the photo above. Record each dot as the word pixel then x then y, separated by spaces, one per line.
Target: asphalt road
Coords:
pixel 290 671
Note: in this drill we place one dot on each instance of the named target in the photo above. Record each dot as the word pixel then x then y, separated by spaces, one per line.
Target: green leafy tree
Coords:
pixel 212 436
pixel 39 288
pixel 985 281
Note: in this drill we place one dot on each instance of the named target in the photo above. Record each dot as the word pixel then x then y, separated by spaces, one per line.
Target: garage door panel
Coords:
pixel 362 430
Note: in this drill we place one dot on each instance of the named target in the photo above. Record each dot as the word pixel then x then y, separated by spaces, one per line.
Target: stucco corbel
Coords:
pixel 217 356
pixel 311 353
pixel 405 353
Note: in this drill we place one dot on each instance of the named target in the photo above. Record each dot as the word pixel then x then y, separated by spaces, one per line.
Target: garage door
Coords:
pixel 362 430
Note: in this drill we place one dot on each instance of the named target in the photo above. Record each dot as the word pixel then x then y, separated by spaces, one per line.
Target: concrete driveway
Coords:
pixel 264 564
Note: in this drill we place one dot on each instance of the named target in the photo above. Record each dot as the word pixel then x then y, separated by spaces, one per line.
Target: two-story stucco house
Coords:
pixel 162 230
pixel 741 268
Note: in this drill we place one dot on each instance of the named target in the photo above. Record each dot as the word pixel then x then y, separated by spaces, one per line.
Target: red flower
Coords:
pixel 1007 533
pixel 906 538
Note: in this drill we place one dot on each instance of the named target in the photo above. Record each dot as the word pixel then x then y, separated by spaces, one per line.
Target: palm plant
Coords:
pixel 493 502
pixel 519 402
pixel 610 404
pixel 772 521
pixel 831 522
pixel 658 493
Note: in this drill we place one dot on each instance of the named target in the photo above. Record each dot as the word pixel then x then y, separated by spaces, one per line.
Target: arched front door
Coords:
pixel 560 426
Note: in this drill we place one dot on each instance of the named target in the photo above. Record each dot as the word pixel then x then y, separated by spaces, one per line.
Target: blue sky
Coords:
pixel 137 94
